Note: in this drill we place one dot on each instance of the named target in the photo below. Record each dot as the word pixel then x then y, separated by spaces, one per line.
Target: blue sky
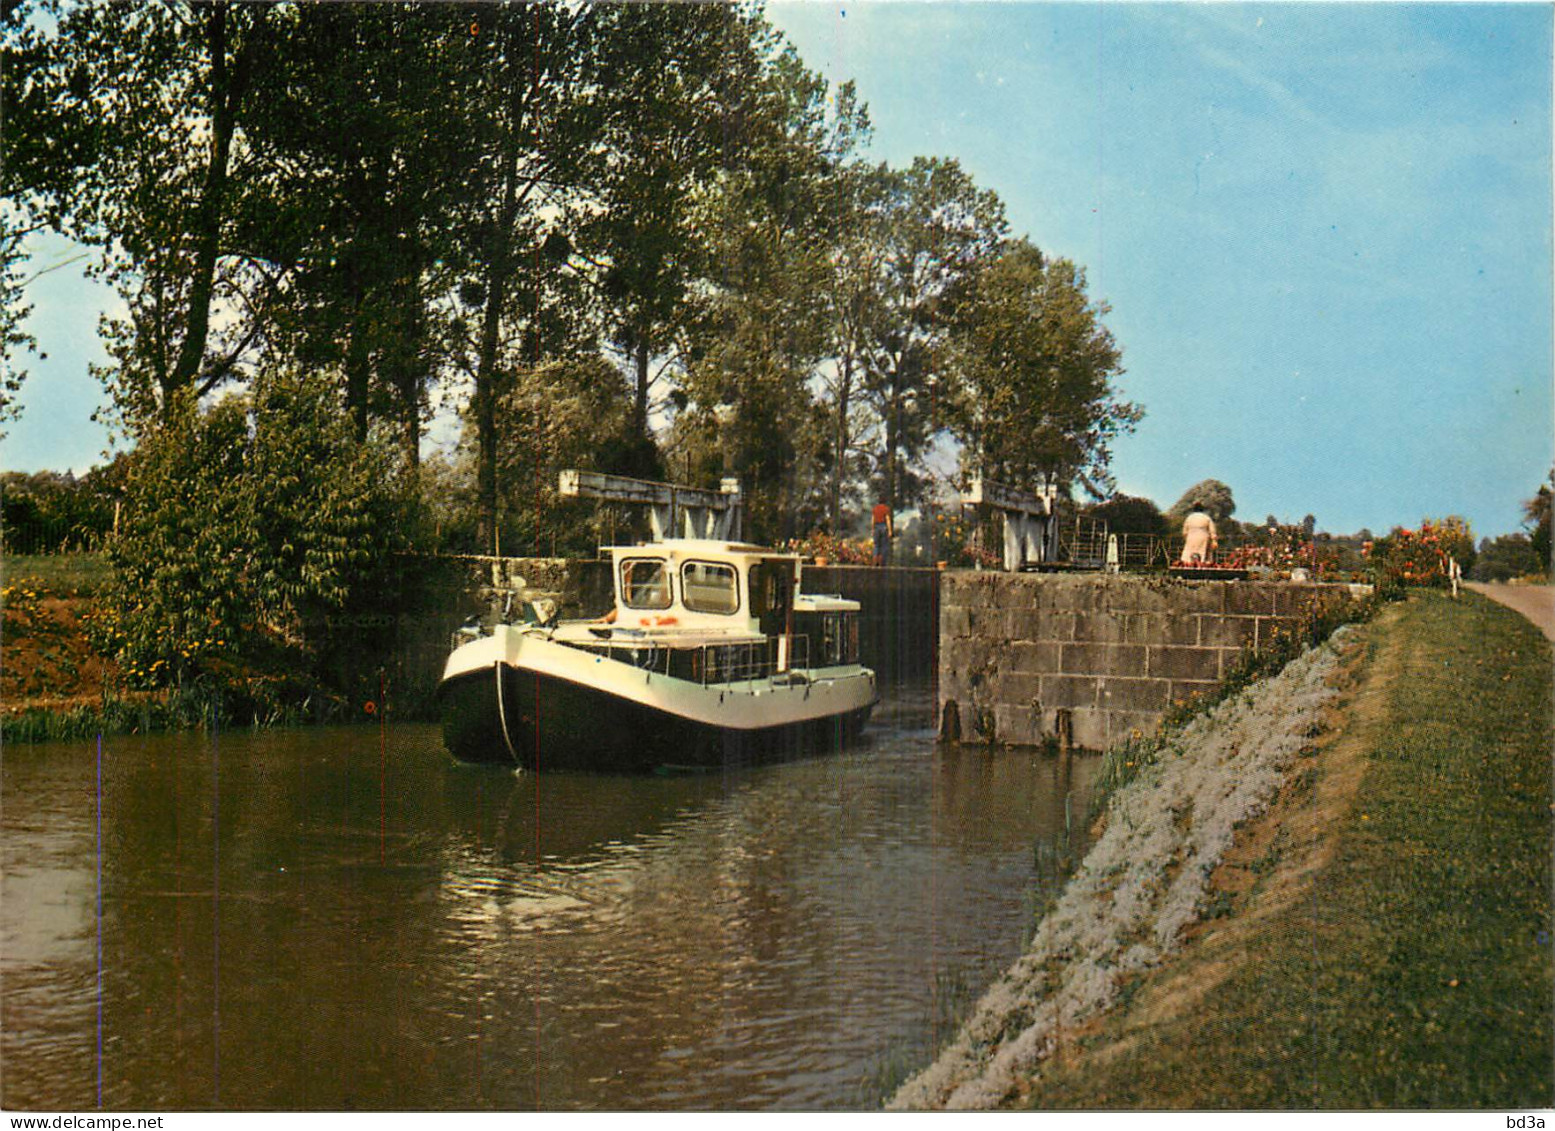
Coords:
pixel 1324 231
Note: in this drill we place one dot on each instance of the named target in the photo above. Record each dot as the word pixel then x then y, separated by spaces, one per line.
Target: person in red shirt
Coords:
pixel 885 530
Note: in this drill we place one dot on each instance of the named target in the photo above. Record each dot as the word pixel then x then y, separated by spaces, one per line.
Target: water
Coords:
pixel 344 918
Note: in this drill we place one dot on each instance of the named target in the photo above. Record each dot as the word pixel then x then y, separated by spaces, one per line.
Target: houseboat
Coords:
pixel 711 655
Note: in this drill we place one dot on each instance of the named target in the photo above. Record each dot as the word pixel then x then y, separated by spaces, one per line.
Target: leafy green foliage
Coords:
pixel 257 542
pixel 1406 557
pixel 760 330
pixel 14 341
pixel 1037 405
pixel 474 198
pixel 50 512
pixel 1536 513
pixel 1208 495
pixel 1130 514
pixel 1506 557
pixel 147 104
pixel 935 229
pixel 1417 974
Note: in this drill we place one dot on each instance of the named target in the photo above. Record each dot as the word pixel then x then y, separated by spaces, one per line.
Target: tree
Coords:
pixel 1454 537
pixel 938 229
pixel 640 247
pixel 149 103
pixel 1536 516
pixel 363 123
pixel 52 512
pixel 1130 514
pixel 581 417
pixel 855 308
pixel 1037 405
pixel 1506 557
pixel 760 328
pixel 33 166
pixel 556 88
pixel 1208 495
pixel 254 537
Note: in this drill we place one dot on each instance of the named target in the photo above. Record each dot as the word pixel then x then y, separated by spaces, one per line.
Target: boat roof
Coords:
pixel 697 547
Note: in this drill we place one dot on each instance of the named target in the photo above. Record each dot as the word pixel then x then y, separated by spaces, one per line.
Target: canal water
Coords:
pixel 344 918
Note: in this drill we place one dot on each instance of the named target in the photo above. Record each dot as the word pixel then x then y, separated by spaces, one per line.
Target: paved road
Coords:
pixel 1536 602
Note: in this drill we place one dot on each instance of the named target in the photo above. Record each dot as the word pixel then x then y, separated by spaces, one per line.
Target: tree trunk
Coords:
pixel 207 220
pixel 358 371
pixel 839 463
pixel 640 406
pixel 498 274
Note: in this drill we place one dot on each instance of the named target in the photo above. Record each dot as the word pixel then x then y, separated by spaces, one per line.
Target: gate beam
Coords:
pixel 673 510
pixel 1030 526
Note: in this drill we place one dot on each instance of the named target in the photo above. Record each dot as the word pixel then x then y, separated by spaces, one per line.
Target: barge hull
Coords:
pixel 556 724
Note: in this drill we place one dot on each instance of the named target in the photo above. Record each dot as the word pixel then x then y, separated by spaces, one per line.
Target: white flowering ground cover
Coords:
pixel 1143 882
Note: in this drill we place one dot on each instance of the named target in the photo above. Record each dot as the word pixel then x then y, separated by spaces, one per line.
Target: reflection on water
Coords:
pixel 345 918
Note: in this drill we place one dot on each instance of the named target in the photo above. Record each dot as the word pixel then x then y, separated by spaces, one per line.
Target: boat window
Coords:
pixel 709 587
pixel 645 584
pixel 831 639
pixel 770 582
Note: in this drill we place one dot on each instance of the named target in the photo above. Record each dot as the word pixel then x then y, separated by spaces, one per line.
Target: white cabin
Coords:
pixel 693 590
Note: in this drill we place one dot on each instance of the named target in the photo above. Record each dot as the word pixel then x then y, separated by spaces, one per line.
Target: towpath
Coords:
pixel 1536 602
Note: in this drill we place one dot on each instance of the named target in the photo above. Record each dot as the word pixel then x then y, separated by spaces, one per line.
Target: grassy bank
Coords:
pixel 1383 937
pixel 69 574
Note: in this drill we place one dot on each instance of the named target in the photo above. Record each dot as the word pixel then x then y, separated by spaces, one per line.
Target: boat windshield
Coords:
pixel 709 587
pixel 645 584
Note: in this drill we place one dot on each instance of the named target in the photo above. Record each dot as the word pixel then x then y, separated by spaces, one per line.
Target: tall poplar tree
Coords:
pixel 938 229
pixel 149 104
pixel 1037 406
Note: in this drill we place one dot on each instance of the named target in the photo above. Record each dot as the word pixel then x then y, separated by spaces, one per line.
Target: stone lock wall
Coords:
pixel 898 625
pixel 1110 652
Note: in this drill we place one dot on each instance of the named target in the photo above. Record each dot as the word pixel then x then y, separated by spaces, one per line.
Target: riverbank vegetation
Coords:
pixel 1382 938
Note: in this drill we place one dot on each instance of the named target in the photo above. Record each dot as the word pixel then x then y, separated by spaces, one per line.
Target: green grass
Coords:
pixel 1417 970
pixel 56 573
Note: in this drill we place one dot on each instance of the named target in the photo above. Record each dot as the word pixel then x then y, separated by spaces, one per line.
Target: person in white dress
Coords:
pixel 1199 539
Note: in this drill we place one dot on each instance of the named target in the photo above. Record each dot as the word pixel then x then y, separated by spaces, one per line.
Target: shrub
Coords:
pixel 257 537
pixel 837 551
pixel 1406 558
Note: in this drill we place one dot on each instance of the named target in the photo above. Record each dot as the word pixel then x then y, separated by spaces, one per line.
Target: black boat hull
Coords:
pixel 556 724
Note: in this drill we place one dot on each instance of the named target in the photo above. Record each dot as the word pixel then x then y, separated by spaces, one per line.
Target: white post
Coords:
pixel 1012 541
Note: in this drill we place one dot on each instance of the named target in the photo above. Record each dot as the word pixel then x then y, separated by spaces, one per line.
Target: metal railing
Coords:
pixel 1084 544
pixel 739 662
pixel 1141 551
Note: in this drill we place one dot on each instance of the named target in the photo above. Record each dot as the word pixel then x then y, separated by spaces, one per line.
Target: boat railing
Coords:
pixel 744 661
pixel 750 660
